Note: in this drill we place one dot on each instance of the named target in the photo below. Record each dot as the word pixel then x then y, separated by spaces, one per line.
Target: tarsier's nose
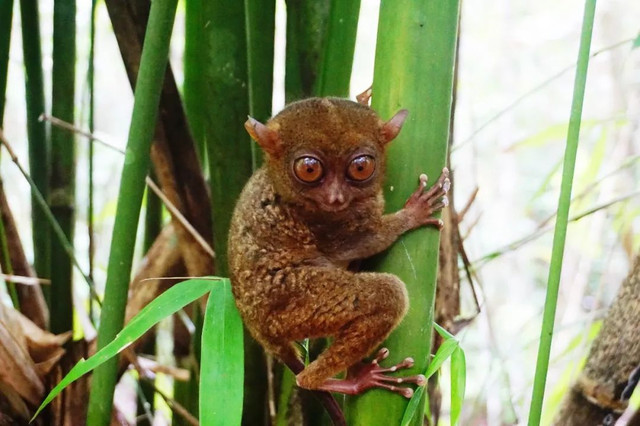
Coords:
pixel 335 195
pixel 336 198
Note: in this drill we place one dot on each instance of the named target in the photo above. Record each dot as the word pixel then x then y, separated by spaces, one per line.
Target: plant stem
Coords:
pixel 564 203
pixel 6 17
pixel 416 48
pixel 260 22
pixel 39 147
pixel 153 65
pixel 62 179
pixel 306 30
pixel 194 74
pixel 334 74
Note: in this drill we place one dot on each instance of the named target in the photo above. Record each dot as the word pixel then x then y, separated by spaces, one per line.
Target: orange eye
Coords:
pixel 361 168
pixel 308 169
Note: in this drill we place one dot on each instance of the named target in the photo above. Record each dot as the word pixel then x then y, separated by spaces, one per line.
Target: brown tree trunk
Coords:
pixel 602 391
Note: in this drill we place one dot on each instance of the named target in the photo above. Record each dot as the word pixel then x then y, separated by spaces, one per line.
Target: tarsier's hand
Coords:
pixel 422 204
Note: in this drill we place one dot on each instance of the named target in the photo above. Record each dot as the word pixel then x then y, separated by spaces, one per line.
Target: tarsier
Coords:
pixel 314 207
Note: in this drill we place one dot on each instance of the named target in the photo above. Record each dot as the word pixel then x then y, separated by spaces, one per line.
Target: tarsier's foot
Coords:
pixel 423 204
pixel 363 376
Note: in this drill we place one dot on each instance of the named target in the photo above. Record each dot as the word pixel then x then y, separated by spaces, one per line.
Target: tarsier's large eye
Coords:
pixel 308 169
pixel 361 168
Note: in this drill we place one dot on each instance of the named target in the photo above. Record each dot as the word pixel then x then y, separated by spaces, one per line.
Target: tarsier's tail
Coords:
pixel 326 399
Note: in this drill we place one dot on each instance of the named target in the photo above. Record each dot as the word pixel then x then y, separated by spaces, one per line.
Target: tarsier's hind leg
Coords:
pixel 380 308
pixel 358 310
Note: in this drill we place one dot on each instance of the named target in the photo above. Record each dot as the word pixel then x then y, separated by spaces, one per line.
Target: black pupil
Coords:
pixel 311 165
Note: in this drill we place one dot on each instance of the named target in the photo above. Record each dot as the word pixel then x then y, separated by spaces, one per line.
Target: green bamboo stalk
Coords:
pixel 306 30
pixel 62 179
pixel 414 62
pixel 564 203
pixel 152 218
pixel 260 31
pixel 195 83
pixel 153 65
pixel 229 153
pixel 6 17
pixel 260 23
pixel 228 145
pixel 39 147
pixel 335 71
pixel 92 109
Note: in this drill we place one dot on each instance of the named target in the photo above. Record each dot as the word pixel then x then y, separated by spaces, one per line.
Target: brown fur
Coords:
pixel 289 250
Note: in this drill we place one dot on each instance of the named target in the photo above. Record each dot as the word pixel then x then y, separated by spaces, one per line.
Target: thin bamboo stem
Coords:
pixel 564 203
pixel 334 74
pixel 39 147
pixel 260 23
pixel 62 179
pixel 153 65
pixel 6 18
pixel 416 46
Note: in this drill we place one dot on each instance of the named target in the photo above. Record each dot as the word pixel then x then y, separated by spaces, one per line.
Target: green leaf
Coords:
pixel 636 42
pixel 444 352
pixel 413 405
pixel 164 305
pixel 222 370
pixel 443 332
pixel 458 383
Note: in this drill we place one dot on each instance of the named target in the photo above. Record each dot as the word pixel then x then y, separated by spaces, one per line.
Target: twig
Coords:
pixel 176 213
pixel 68 248
pixel 522 97
pixel 462 213
pixel 21 279
pixel 70 127
pixel 176 407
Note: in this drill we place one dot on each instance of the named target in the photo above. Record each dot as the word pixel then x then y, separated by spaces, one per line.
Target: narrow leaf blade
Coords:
pixel 458 383
pixel 412 406
pixel 444 352
pixel 222 369
pixel 164 305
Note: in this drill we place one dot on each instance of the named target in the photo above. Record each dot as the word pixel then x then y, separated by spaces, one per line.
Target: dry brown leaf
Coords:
pixel 18 370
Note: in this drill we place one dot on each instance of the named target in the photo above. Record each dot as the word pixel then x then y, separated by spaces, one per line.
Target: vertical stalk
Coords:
pixel 194 78
pixel 152 218
pixel 39 148
pixel 306 30
pixel 228 145
pixel 153 65
pixel 229 151
pixel 416 48
pixel 62 181
pixel 6 18
pixel 260 22
pixel 564 203
pixel 340 43
pixel 260 32
pixel 92 108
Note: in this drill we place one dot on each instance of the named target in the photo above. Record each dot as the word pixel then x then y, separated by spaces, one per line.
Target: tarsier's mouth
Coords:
pixel 333 207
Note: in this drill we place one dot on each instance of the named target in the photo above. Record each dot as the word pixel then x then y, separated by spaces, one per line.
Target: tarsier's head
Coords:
pixel 326 153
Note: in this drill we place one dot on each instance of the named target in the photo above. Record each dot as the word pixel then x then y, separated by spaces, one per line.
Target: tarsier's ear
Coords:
pixel 267 138
pixel 364 97
pixel 391 128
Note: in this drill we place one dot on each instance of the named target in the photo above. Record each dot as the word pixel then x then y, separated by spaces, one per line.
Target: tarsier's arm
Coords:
pixel 417 212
